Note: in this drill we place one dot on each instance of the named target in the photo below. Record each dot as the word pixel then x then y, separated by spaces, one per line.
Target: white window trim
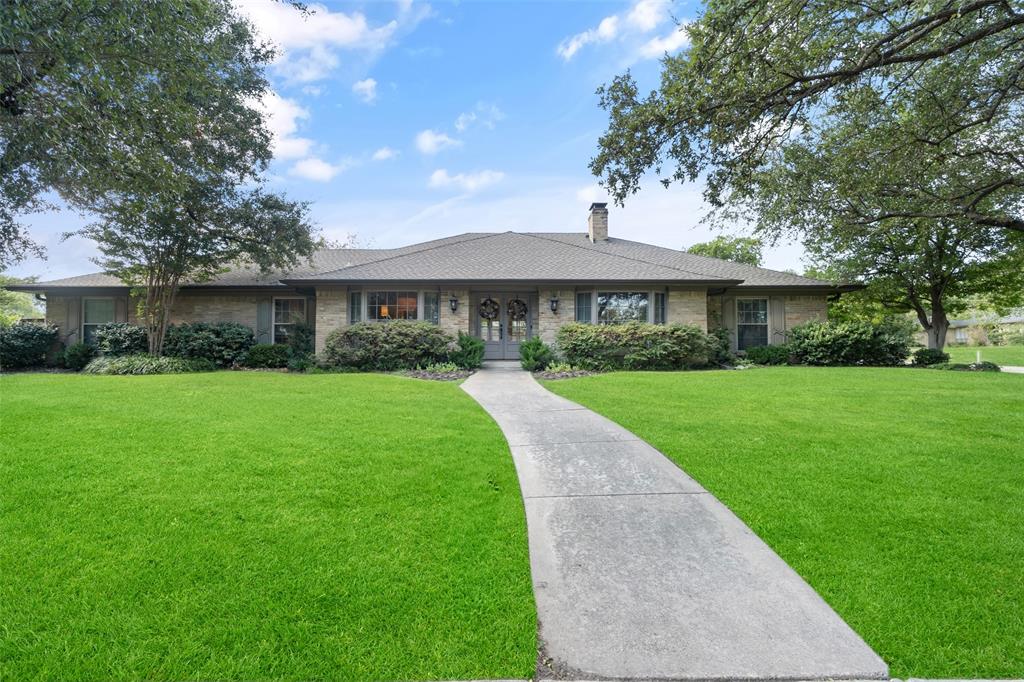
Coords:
pixel 364 297
pixel 273 311
pixel 594 305
pixel 768 318
pixel 82 323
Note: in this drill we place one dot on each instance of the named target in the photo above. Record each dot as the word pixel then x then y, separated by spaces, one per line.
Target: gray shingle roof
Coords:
pixel 496 256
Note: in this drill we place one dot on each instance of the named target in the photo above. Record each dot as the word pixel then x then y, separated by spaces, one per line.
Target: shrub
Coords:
pixel 301 363
pixel 718 347
pixel 77 356
pixel 964 367
pixel 118 338
pixel 224 343
pixel 636 346
pixel 470 352
pixel 768 355
pixel 147 364
pixel 850 343
pixel 300 340
pixel 924 357
pixel 535 355
pixel 268 355
pixel 25 344
pixel 387 347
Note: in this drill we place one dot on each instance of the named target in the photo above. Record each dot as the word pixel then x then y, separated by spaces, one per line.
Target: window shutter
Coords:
pixel 776 320
pixel 120 309
pixel 263 321
pixel 729 319
pixel 73 330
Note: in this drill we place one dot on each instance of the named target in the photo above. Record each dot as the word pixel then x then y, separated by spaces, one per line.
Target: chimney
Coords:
pixel 597 222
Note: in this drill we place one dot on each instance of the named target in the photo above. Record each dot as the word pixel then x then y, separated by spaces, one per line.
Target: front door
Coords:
pixel 503 322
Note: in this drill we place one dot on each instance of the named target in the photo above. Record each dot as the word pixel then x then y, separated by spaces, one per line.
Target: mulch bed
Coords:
pixel 438 376
pixel 564 375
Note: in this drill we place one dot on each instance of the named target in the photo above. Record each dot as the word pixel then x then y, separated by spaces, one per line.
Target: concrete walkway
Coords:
pixel 640 573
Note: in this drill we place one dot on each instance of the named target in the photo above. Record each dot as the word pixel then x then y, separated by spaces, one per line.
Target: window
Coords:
pixel 659 308
pixel 355 307
pixel 432 307
pixel 288 312
pixel 95 311
pixel 382 306
pixel 615 307
pixel 961 334
pixel 584 312
pixel 751 322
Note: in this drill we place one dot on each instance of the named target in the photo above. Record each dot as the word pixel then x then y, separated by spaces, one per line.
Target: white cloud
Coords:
pixel 467 182
pixel 591 193
pixel 646 15
pixel 282 116
pixel 483 114
pixel 605 31
pixel 385 153
pixel 431 142
pixel 318 170
pixel 671 43
pixel 308 43
pixel 366 90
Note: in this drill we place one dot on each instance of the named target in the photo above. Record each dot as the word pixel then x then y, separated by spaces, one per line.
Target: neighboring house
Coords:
pixel 502 286
pixel 979 331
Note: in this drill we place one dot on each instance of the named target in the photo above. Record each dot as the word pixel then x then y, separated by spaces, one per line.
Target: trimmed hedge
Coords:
pixel 25 344
pixel 224 344
pixel 78 355
pixel 850 343
pixel 768 355
pixel 387 347
pixel 146 364
pixel 120 338
pixel 635 345
pixel 964 367
pixel 268 356
pixel 925 357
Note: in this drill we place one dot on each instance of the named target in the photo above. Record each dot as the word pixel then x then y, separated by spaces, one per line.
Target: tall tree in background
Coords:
pixel 86 86
pixel 15 305
pixel 746 250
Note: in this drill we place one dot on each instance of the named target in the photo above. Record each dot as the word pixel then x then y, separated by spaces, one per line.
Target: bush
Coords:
pixel 25 344
pixel 147 364
pixel 718 347
pixel 77 356
pixel 850 343
pixel 118 338
pixel 768 355
pixel 924 357
pixel 224 343
pixel 300 340
pixel 470 352
pixel 387 347
pixel 963 367
pixel 636 346
pixel 268 355
pixel 535 355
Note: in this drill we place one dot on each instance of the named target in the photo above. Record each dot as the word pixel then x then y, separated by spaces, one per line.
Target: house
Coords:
pixel 501 286
pixel 982 331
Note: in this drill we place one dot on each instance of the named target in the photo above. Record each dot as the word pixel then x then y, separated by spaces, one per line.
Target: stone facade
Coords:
pixel 549 322
pixel 687 306
pixel 456 322
pixel 331 313
pixel 802 309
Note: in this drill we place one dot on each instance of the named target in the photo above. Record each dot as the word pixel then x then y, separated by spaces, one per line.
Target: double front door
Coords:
pixel 503 322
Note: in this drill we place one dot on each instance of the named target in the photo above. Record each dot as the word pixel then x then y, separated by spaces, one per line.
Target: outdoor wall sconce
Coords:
pixel 453 303
pixel 554 305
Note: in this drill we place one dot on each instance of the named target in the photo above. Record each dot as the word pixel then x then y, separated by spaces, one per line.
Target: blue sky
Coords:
pixel 406 121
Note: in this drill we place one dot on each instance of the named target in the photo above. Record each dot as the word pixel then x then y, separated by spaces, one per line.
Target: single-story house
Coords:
pixel 504 287
pixel 981 331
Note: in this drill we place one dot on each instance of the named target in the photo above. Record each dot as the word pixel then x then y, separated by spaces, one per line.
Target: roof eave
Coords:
pixel 489 282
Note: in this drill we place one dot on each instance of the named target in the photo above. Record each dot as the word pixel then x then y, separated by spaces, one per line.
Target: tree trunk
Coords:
pixel 939 326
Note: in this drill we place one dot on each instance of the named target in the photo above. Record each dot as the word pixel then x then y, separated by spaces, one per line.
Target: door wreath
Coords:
pixel 489 309
pixel 516 310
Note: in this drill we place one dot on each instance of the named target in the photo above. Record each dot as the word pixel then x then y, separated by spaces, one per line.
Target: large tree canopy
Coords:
pixel 91 91
pixel 938 83
pixel 745 250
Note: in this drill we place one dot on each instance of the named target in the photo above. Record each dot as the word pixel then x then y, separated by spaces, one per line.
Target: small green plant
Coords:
pixel 562 367
pixel 925 357
pixel 768 355
pixel 965 367
pixel 25 344
pixel 442 368
pixel 469 353
pixel 119 338
pixel 535 355
pixel 78 355
pixel 146 364
pixel 268 356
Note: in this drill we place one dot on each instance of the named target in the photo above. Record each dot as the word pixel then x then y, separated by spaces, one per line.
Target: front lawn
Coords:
pixel 897 493
pixel 1001 355
pixel 256 526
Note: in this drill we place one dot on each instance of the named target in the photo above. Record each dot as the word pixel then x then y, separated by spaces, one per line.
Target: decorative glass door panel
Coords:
pixel 503 322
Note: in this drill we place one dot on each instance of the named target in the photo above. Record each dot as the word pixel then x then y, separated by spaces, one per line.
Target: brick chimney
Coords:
pixel 597 222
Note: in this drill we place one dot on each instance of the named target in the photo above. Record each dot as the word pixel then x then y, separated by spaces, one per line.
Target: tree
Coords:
pixel 944 80
pixel 746 250
pixel 83 83
pixel 15 305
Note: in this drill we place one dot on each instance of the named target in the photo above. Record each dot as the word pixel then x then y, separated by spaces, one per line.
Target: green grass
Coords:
pixel 897 493
pixel 1001 355
pixel 258 525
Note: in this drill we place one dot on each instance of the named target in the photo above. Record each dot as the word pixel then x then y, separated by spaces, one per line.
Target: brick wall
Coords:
pixel 331 313
pixel 801 309
pixel 549 322
pixel 688 306
pixel 240 308
pixel 456 322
